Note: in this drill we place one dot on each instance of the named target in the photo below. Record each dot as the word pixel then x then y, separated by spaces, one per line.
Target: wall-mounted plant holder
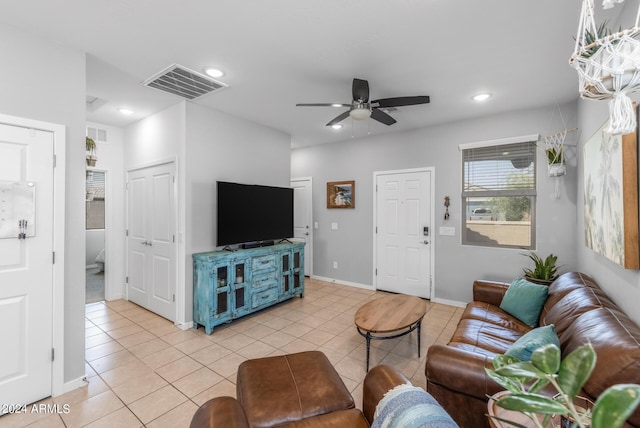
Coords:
pixel 17 209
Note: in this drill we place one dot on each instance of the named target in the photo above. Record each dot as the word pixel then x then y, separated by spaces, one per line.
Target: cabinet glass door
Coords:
pixel 298 270
pixel 240 280
pixel 286 274
pixel 221 296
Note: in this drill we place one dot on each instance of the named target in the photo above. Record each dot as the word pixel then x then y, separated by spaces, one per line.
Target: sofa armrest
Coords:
pixel 489 291
pixel 461 371
pixel 377 382
pixel 222 412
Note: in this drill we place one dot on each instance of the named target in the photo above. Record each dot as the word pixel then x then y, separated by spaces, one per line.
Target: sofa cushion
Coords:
pixel 536 338
pixel 524 300
pixel 483 337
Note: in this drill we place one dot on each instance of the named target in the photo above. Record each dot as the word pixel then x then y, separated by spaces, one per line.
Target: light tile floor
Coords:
pixel 144 371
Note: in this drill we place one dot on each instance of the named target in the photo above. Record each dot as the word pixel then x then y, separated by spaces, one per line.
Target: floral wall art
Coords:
pixel 611 197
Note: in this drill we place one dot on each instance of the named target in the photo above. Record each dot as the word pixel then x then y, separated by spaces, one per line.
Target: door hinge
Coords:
pixel 174 297
pixel 174 178
pixel 376 271
pixel 126 232
pixel 174 238
pixel 54 161
pixel 126 280
pixel 53 257
pixel 376 229
pixel 126 185
pixel 53 354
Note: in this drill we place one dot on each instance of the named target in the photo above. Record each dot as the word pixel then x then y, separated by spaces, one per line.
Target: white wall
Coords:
pixel 226 148
pixel 55 96
pixel 111 161
pixel 208 145
pixel 456 266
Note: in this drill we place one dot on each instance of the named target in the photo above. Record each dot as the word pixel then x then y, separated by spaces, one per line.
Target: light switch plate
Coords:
pixel 334 226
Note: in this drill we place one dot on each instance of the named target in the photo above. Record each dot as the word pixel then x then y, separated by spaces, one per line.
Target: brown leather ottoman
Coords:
pixel 287 389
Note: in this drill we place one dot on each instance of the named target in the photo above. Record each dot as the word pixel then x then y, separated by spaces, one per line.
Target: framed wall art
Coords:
pixel 611 196
pixel 341 194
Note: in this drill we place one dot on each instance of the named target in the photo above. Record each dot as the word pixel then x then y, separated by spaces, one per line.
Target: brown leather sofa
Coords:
pixel 300 390
pixel 580 311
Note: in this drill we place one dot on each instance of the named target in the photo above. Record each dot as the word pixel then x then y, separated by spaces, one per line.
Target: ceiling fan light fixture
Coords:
pixel 336 126
pixel 125 111
pixel 360 113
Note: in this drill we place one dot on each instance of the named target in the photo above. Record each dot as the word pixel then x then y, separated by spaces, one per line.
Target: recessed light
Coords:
pixel 481 97
pixel 213 72
pixel 336 105
pixel 337 126
pixel 125 111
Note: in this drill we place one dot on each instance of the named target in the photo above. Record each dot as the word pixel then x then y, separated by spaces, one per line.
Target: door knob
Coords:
pixel 425 242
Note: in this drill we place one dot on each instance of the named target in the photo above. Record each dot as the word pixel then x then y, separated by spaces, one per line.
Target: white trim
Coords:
pixel 432 171
pixel 310 238
pixel 501 142
pixel 76 383
pixel 59 210
pixel 184 325
pixel 450 302
pixel 341 282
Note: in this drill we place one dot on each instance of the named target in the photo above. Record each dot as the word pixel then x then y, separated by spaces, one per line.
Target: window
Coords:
pixel 94 200
pixel 499 193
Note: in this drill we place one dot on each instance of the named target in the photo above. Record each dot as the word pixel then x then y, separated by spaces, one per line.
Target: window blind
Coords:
pixel 504 170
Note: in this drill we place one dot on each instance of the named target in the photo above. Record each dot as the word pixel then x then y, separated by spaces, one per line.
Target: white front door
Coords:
pixel 303 217
pixel 26 264
pixel 151 258
pixel 404 229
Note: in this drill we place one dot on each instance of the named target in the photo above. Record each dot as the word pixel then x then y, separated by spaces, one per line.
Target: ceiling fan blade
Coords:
pixel 323 105
pixel 402 101
pixel 382 117
pixel 360 90
pixel 339 118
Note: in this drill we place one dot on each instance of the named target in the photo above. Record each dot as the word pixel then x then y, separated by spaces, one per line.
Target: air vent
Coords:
pixel 94 103
pixel 183 82
pixel 97 134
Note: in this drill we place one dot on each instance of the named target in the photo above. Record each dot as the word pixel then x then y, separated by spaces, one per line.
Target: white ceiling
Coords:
pixel 278 53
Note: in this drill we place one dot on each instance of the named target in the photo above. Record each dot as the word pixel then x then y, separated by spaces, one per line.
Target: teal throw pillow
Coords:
pixel 536 338
pixel 524 300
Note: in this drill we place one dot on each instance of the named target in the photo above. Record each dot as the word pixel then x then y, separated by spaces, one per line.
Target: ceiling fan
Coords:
pixel 361 108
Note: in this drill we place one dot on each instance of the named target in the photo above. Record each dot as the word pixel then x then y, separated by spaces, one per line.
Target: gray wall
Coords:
pixel 456 266
pixel 55 96
pixel 207 145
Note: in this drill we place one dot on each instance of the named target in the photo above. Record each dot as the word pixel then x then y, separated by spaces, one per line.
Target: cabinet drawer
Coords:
pixel 263 262
pixel 264 297
pixel 264 280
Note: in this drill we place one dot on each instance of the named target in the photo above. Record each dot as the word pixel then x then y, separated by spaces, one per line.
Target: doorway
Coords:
pixel 95 235
pixel 403 255
pixel 303 218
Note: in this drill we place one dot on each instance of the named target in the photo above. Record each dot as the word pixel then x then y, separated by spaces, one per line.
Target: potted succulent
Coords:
pixel 544 271
pixel 555 159
pixel 523 382
pixel 91 152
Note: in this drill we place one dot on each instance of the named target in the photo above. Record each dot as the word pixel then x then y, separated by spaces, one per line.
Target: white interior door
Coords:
pixel 403 238
pixel 303 218
pixel 151 258
pixel 26 265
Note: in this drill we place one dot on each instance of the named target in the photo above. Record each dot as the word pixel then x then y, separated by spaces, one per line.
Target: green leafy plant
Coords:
pixel 91 145
pixel 525 380
pixel 554 156
pixel 544 269
pixel 591 46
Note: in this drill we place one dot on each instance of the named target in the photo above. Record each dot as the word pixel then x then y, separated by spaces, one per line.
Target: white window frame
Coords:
pixel 533 138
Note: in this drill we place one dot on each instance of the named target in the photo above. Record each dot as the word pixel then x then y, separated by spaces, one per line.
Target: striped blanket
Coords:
pixel 407 406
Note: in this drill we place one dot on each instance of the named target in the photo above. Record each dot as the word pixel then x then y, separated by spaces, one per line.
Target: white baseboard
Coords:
pixel 449 302
pixel 184 325
pixel 74 384
pixel 341 282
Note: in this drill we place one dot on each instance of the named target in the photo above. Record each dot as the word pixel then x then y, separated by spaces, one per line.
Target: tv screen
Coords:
pixel 250 213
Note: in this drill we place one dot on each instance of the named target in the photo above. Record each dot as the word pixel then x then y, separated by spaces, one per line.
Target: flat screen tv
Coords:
pixel 253 213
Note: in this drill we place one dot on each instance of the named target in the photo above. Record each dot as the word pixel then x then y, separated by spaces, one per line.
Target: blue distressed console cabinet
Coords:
pixel 231 284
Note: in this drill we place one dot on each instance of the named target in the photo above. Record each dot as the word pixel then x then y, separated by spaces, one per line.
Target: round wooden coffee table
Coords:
pixel 389 317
